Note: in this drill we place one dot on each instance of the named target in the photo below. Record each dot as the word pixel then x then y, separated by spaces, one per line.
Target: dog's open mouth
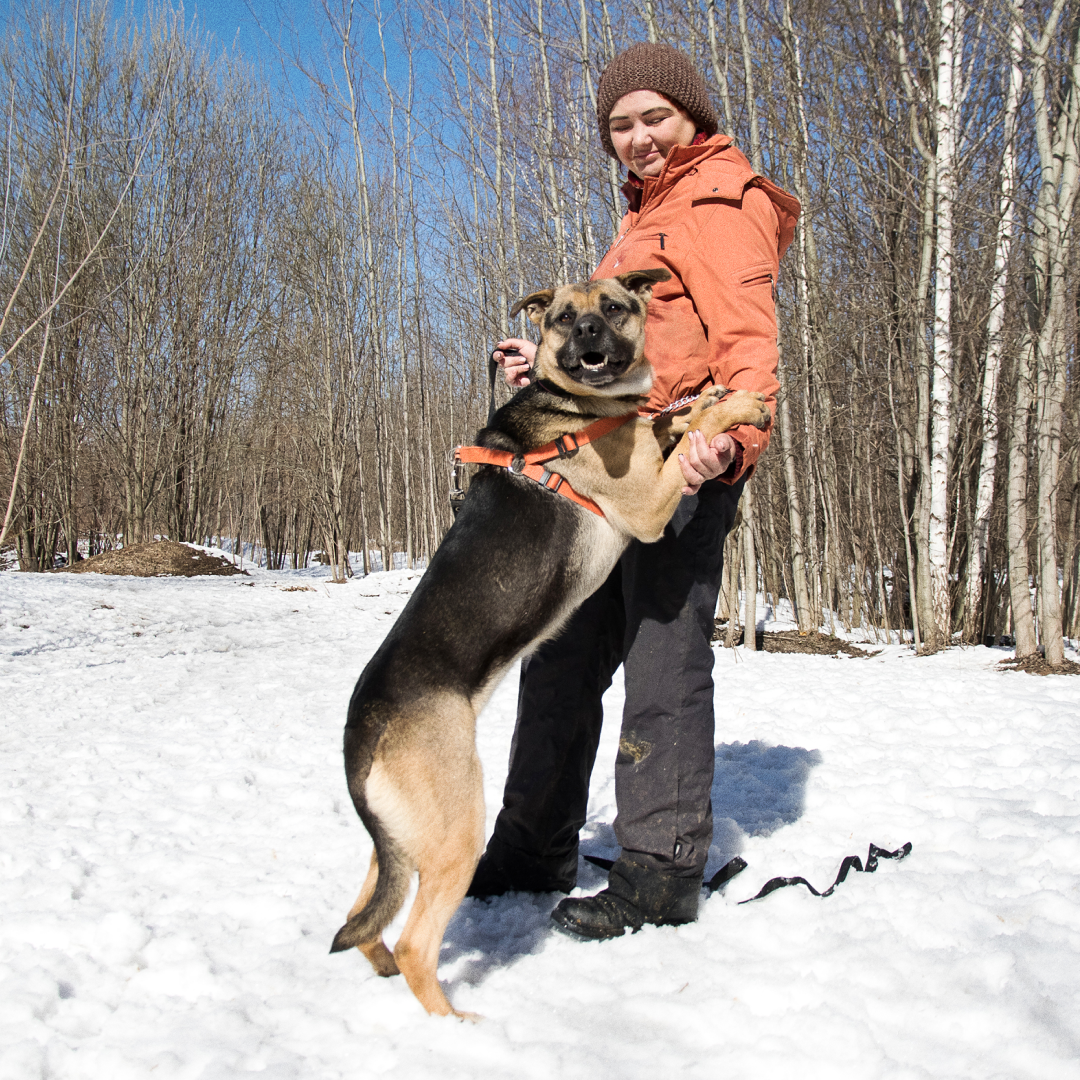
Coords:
pixel 594 367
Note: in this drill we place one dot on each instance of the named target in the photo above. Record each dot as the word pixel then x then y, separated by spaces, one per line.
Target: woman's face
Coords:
pixel 644 126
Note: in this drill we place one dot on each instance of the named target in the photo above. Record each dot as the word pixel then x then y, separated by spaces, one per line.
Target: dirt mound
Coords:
pixel 791 641
pixel 164 558
pixel 1037 665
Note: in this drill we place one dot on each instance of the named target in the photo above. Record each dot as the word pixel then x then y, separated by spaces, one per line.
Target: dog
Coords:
pixel 513 567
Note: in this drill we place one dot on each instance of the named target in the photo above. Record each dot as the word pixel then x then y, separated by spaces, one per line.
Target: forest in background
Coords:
pixel 258 306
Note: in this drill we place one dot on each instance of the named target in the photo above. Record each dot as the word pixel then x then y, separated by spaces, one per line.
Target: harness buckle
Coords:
pixel 457 495
pixel 546 476
pixel 565 450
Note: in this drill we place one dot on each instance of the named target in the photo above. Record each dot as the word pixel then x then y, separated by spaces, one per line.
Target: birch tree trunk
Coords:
pixel 396 189
pixel 994 341
pixel 946 123
pixel 1058 141
pixel 615 208
pixel 921 589
pixel 803 610
pixel 720 73
pixel 375 313
pixel 502 301
pixel 553 194
pixel 1023 618
pixel 749 571
pixel 749 554
pixel 748 76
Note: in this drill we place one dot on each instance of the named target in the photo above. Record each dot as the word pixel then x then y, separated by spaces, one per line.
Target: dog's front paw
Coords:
pixel 711 395
pixel 748 407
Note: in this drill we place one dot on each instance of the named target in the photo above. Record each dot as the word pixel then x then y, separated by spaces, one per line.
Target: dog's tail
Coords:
pixel 391 887
pixel 394 867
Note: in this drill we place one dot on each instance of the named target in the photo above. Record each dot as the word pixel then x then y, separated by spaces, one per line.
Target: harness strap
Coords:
pixel 531 463
pixel 567 445
pixel 484 455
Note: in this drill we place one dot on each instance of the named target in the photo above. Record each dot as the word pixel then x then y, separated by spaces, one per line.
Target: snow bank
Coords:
pixel 179 848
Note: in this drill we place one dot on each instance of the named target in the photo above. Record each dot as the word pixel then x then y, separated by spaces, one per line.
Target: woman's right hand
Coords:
pixel 516 367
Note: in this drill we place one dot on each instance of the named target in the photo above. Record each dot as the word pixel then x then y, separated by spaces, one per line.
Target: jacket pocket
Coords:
pixel 652 246
pixel 762 273
pixel 722 182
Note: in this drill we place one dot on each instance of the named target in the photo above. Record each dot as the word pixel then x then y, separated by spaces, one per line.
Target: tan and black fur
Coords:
pixel 514 566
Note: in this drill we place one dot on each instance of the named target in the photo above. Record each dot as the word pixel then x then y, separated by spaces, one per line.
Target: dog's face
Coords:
pixel 594 334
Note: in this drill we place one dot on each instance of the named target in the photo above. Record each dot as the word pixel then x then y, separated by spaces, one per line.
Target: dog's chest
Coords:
pixel 595 550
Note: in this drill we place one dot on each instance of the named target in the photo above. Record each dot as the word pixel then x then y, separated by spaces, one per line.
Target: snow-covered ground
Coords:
pixel 178 849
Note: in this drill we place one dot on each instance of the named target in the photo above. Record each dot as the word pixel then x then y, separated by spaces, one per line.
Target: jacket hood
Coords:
pixel 680 160
pixel 738 175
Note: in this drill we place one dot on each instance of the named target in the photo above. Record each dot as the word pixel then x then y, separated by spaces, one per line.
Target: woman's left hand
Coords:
pixel 705 460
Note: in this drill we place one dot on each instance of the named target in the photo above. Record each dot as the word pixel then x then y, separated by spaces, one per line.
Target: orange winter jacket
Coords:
pixel 721 230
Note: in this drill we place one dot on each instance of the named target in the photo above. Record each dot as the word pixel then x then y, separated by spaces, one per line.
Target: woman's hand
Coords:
pixel 705 460
pixel 515 368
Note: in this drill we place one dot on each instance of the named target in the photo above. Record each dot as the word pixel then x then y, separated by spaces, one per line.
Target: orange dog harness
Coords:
pixel 531 463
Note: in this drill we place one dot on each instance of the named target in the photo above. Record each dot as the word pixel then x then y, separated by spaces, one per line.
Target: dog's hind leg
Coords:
pixel 444 879
pixel 380 957
pixel 446 856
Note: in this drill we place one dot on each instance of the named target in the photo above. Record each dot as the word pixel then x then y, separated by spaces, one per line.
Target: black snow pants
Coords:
pixel 654 614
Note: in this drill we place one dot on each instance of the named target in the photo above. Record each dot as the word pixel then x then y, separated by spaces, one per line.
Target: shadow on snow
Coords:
pixel 756 790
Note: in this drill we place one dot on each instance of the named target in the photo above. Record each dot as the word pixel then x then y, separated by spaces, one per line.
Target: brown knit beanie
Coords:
pixel 654 66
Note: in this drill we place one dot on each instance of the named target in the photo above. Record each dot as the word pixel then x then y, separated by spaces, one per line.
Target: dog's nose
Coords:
pixel 587 328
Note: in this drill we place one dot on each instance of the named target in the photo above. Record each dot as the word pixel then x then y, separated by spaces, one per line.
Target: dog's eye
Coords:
pixel 613 307
pixel 566 317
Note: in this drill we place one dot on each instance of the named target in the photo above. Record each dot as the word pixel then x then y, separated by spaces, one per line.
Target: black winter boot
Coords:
pixel 504 869
pixel 636 895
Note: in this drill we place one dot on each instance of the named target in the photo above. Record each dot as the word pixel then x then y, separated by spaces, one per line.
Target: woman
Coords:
pixel 697 208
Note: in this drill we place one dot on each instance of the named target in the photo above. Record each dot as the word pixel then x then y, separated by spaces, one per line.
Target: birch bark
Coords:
pixel 553 194
pixel 749 571
pixel 720 73
pixel 950 49
pixel 400 292
pixel 1058 141
pixel 372 290
pixel 1023 618
pixel 749 554
pixel 803 611
pixel 995 320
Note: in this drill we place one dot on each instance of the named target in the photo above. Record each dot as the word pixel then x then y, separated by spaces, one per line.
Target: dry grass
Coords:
pixel 164 558
pixel 1037 665
pixel 791 641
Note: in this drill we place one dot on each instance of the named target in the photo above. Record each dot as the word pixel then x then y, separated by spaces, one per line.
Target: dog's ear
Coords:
pixel 534 305
pixel 640 282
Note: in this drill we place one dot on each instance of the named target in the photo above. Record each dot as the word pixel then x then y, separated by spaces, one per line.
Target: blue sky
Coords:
pixel 233 21
pixel 258 29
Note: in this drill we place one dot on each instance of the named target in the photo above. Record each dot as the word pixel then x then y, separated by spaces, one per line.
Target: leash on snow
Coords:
pixel 738 865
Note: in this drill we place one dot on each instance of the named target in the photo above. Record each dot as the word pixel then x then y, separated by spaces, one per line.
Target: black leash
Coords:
pixel 457 493
pixel 493 372
pixel 852 862
pixel 725 874
pixel 738 865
